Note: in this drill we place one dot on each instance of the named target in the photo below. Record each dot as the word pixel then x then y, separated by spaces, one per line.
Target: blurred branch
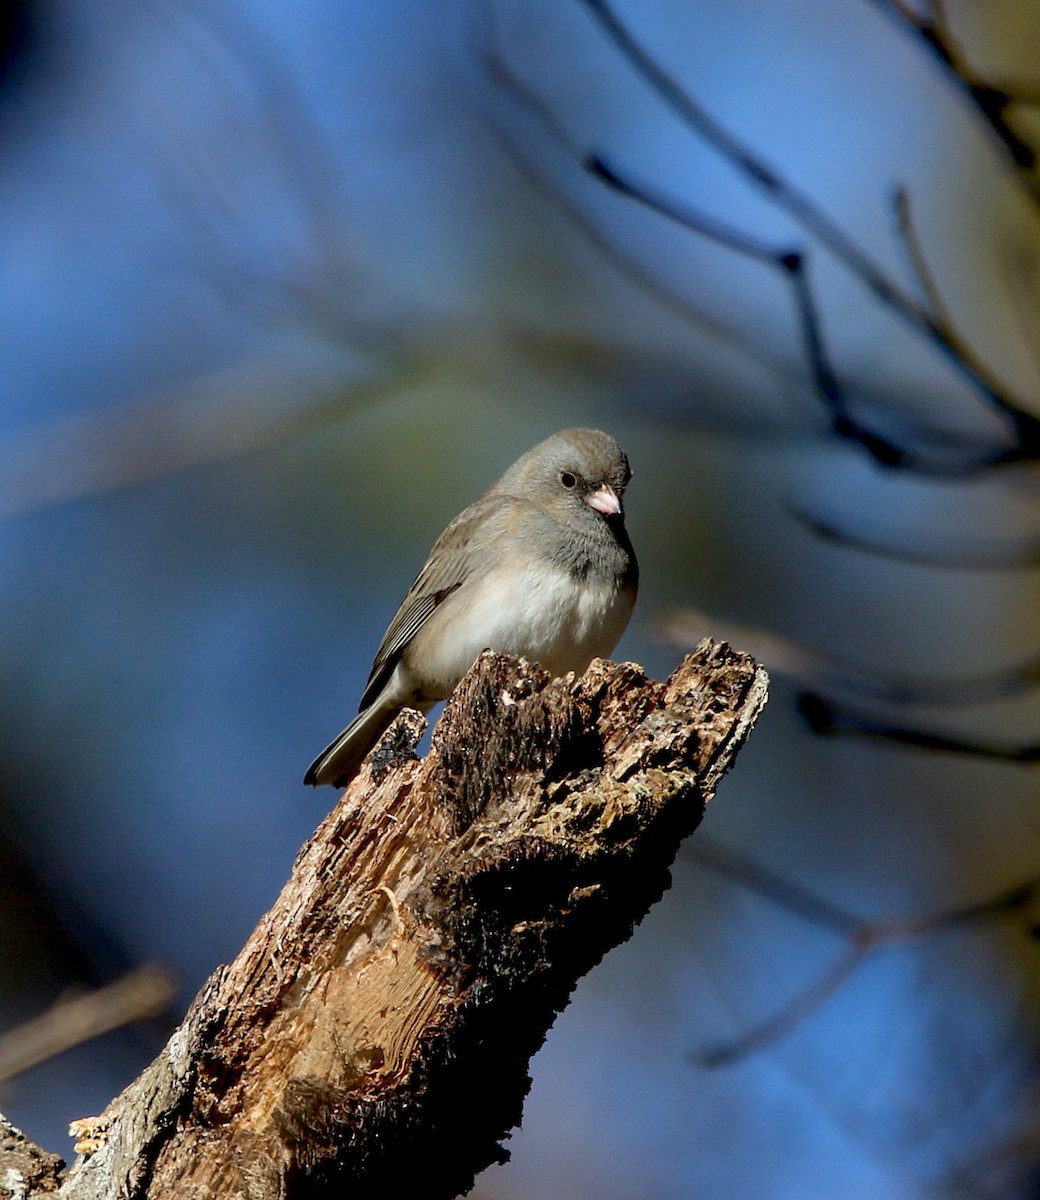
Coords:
pixel 792 263
pixel 996 553
pixel 990 102
pixel 527 101
pixel 277 135
pixel 1024 426
pixel 777 888
pixel 683 627
pixel 862 939
pixel 372 1038
pixel 906 231
pixel 141 994
pixel 212 419
pixel 232 412
pixel 830 717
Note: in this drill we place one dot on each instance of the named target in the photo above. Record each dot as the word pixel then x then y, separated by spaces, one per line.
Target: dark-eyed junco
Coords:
pixel 540 567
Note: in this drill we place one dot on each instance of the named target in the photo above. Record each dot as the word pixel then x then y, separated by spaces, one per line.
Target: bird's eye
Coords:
pixel 567 479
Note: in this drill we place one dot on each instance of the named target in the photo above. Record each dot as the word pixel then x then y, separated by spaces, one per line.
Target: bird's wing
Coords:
pixel 450 563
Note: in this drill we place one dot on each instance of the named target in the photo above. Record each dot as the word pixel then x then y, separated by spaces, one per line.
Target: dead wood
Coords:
pixel 372 1038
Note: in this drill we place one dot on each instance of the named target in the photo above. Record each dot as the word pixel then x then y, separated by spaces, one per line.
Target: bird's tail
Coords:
pixel 339 762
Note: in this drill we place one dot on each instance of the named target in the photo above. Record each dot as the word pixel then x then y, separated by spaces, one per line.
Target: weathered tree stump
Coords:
pixel 372 1038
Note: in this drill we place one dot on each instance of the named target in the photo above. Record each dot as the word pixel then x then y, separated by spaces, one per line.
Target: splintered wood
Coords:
pixel 373 1036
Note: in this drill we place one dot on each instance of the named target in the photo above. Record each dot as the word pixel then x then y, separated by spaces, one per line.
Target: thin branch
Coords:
pixel 960 552
pixel 1024 426
pixel 907 236
pixel 862 938
pixel 777 888
pixel 280 125
pixel 990 102
pixel 778 1025
pixel 825 672
pixel 1026 95
pixel 527 100
pixel 141 994
pixel 792 265
pixel 219 417
pixel 829 717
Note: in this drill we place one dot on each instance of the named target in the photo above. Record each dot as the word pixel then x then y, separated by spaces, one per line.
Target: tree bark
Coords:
pixel 373 1036
pixel 25 1169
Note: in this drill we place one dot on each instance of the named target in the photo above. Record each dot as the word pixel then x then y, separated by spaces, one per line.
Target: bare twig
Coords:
pixel 995 553
pixel 526 100
pixel 990 102
pixel 786 893
pixel 862 938
pixel 141 994
pixel 792 264
pixel 213 419
pixel 1024 426
pixel 280 127
pixel 779 1024
pixel 825 672
pixel 906 231
pixel 1026 95
pixel 826 716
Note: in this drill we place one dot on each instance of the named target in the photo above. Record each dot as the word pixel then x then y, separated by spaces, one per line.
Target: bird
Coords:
pixel 540 567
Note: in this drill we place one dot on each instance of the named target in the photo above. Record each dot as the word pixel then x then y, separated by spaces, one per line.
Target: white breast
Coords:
pixel 546 615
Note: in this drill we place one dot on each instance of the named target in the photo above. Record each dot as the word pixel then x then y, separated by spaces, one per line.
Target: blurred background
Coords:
pixel 284 287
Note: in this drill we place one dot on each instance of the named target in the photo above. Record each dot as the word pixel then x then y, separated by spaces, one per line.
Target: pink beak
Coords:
pixel 604 500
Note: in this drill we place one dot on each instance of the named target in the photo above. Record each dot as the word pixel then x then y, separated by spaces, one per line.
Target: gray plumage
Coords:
pixel 540 566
